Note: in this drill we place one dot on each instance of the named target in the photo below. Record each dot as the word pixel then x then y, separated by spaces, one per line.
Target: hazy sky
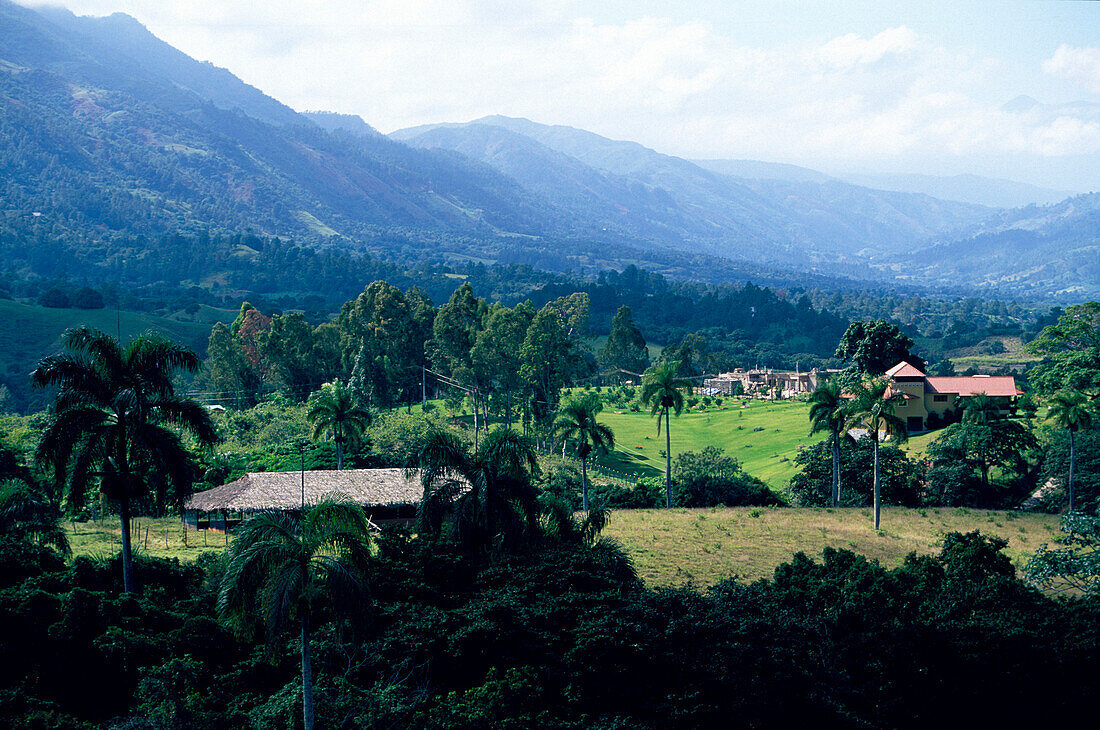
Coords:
pixel 838 86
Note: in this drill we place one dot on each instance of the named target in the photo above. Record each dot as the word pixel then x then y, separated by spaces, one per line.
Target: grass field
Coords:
pixel 673 547
pixel 763 435
pixel 979 357
pixel 104 538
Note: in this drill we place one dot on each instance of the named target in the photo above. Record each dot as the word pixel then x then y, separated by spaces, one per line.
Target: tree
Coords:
pixel 283 566
pixel 228 371
pixel 872 407
pixel 899 478
pixel 497 353
pixel 876 346
pixel 577 423
pixel 1072 411
pixel 333 411
pixel 827 413
pixel 116 421
pixel 1074 567
pixel 663 393
pixel 1071 353
pixel 981 440
pixel 711 478
pixel 27 515
pixel 297 354
pixel 483 498
pixel 547 362
pixel 625 348
pixel 382 336
pixel 87 298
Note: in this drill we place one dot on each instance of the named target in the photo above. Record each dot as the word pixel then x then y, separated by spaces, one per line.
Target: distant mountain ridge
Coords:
pixel 792 213
pixel 109 134
pixel 992 192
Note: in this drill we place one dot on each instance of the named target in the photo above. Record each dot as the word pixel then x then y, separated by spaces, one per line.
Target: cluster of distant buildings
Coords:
pixel 765 382
pixel 929 401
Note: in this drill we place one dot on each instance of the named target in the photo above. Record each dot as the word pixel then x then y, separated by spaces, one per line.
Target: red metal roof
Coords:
pixel 904 370
pixel 995 385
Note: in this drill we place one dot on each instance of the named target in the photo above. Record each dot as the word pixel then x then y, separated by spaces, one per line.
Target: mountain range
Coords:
pixel 108 132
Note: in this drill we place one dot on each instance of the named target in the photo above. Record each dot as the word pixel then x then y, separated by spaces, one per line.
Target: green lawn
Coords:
pixel 703 546
pixel 763 435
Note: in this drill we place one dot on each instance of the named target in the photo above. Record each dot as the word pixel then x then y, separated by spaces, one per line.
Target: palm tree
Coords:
pixel 117 421
pixel 484 496
pixel 827 413
pixel 282 565
pixel 1072 411
pixel 577 423
pixel 980 409
pixel 334 411
pixel 663 391
pixel 872 407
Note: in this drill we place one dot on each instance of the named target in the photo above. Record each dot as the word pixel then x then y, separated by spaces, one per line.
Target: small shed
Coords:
pixel 388 495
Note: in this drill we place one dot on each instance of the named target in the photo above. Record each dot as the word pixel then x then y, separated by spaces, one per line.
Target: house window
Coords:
pixel 939 399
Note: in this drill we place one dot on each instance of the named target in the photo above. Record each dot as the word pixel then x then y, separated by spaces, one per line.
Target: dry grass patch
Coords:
pixel 704 546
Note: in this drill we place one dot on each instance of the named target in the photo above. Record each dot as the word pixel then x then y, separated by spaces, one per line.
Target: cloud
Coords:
pixel 1081 65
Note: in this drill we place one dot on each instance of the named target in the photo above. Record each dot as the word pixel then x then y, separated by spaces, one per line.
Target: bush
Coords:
pixel 711 478
pixel 646 493
pixel 88 298
pixel 54 298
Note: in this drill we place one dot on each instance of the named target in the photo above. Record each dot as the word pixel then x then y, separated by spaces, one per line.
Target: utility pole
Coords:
pixel 423 386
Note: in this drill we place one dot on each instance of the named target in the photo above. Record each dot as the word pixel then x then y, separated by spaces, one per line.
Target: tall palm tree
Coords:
pixel 485 497
pixel 1072 411
pixel 577 423
pixel 663 392
pixel 118 421
pixel 872 407
pixel 827 413
pixel 281 566
pixel 334 411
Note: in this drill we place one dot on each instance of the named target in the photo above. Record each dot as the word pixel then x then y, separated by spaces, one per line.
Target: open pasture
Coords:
pixel 704 546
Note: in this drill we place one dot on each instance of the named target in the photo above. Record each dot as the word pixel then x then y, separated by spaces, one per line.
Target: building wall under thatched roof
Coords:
pixel 284 490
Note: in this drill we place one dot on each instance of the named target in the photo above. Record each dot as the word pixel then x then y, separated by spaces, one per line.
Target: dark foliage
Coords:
pixel 812 485
pixel 566 638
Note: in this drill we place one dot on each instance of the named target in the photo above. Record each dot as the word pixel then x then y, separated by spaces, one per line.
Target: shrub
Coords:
pixel 88 298
pixel 646 493
pixel 711 478
pixel 54 298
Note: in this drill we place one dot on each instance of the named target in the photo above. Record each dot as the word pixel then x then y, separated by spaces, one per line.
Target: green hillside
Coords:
pixel 763 435
pixel 28 333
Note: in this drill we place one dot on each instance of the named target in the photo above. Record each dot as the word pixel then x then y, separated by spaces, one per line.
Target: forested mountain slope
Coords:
pixel 798 218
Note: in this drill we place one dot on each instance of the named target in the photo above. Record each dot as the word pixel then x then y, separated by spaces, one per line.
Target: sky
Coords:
pixel 843 87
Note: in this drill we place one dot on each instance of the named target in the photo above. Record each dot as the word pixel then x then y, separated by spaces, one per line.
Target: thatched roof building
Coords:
pixel 389 492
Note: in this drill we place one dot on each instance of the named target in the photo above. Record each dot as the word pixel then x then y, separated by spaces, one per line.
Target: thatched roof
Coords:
pixel 283 490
